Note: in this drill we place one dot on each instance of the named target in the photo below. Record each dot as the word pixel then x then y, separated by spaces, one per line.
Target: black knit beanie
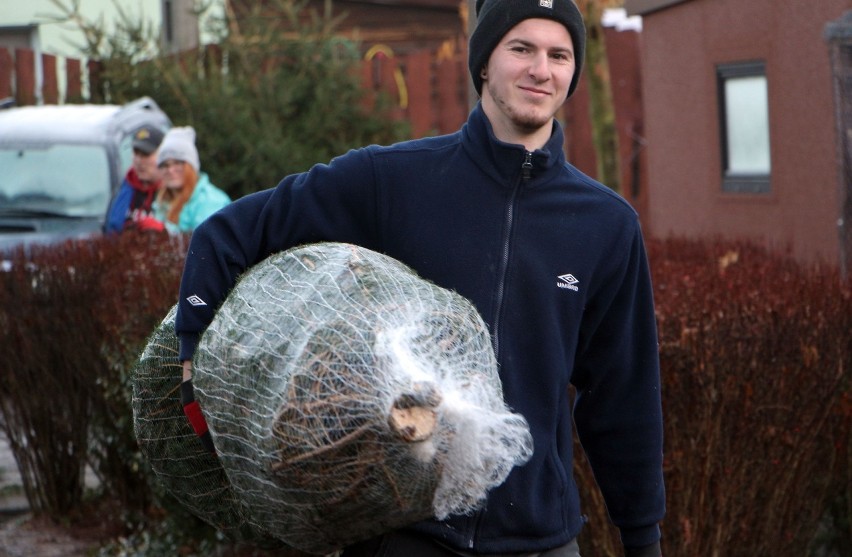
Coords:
pixel 496 17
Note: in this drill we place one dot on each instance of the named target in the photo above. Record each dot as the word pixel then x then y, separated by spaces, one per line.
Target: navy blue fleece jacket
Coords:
pixel 555 264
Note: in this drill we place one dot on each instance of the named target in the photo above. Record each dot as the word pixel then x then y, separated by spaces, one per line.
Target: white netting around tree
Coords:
pixel 347 396
pixel 183 467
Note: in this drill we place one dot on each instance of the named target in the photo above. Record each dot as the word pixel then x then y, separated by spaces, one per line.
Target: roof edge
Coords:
pixel 644 7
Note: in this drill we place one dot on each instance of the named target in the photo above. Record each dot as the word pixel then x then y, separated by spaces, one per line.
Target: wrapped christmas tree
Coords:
pixel 347 396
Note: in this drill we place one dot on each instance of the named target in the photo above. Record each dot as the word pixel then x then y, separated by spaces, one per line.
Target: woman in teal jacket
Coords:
pixel 187 197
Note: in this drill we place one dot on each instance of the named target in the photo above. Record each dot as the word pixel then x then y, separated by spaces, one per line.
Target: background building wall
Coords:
pixel 63 39
pixel 34 22
pixel 681 46
pixel 179 29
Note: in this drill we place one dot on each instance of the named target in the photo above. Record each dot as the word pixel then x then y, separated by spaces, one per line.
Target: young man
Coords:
pixel 553 261
pixel 132 206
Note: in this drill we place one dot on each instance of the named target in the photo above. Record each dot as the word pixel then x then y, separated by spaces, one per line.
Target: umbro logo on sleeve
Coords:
pixel 196 300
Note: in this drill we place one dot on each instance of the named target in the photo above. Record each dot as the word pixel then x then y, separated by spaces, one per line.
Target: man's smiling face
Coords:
pixel 527 78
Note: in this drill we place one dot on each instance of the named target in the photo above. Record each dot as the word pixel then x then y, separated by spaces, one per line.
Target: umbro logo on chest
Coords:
pixel 568 281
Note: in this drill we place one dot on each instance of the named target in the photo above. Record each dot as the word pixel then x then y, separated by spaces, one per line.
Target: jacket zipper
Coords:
pixel 526 172
pixel 526 166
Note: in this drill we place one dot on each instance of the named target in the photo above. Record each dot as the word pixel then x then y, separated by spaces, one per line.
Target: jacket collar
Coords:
pixel 139 185
pixel 502 161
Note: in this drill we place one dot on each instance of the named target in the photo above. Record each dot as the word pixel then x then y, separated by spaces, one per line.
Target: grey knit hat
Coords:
pixel 496 17
pixel 179 144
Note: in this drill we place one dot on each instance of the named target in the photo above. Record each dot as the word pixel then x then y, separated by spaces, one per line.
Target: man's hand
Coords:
pixel 192 409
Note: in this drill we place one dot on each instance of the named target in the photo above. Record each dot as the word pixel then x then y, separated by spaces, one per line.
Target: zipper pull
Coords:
pixel 527 166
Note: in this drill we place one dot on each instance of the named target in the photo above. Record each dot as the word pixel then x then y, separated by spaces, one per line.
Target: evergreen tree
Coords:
pixel 277 92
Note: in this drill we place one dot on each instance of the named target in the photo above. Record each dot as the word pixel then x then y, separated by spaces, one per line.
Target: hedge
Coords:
pixel 755 351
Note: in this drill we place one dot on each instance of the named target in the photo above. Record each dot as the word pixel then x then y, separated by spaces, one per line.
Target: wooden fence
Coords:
pixel 430 91
pixel 18 78
pixel 430 88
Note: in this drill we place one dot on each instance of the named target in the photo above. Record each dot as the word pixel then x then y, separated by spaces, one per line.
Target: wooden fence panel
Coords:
pixel 74 81
pixel 49 84
pixel 96 91
pixel 452 103
pixel 7 69
pixel 25 80
pixel 418 78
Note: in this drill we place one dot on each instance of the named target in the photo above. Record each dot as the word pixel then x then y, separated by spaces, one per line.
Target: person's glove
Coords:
pixel 652 550
pixel 150 224
pixel 196 419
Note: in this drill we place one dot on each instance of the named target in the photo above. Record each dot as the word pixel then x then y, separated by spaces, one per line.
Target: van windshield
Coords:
pixel 63 180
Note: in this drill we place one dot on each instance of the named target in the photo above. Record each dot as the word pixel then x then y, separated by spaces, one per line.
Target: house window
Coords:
pixel 744 122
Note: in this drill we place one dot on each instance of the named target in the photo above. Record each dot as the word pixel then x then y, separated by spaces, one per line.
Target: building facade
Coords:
pixel 41 26
pixel 740 122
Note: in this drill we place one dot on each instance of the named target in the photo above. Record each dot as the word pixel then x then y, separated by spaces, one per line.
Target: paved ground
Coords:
pixel 12 500
pixel 21 535
pixel 25 537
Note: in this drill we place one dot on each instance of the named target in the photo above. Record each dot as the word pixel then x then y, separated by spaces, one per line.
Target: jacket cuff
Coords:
pixel 188 344
pixel 640 537
pixel 652 550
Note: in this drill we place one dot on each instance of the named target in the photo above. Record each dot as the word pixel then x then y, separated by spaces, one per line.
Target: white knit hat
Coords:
pixel 179 144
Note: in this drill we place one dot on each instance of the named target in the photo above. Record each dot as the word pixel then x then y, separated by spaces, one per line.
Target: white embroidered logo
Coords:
pixel 568 281
pixel 546 3
pixel 195 300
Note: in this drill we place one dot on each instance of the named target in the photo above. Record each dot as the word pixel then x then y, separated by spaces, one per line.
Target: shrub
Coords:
pixel 74 317
pixel 755 353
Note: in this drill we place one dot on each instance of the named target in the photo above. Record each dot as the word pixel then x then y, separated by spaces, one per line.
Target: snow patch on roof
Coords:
pixel 63 123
